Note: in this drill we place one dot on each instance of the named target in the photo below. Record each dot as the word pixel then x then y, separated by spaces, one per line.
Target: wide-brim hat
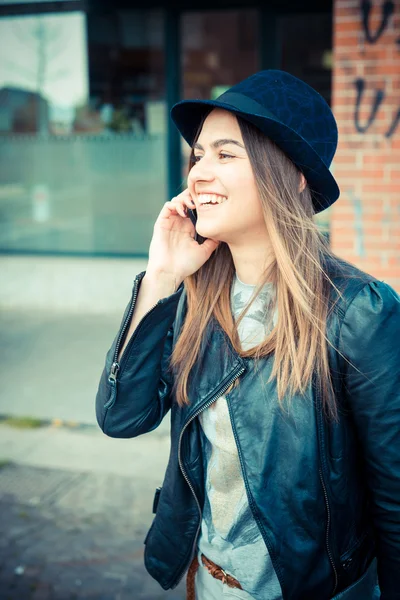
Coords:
pixel 290 112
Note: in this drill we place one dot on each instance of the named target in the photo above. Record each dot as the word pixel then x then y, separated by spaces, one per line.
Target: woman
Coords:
pixel 279 362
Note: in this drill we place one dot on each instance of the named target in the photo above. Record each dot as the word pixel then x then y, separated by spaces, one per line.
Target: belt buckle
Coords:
pixel 224 576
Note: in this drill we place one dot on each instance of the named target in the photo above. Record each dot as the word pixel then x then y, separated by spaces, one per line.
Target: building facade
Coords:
pixel 365 222
pixel 88 153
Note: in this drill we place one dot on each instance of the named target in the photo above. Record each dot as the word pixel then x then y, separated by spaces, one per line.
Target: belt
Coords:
pixel 214 570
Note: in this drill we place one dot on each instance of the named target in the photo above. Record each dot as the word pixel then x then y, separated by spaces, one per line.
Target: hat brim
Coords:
pixel 188 114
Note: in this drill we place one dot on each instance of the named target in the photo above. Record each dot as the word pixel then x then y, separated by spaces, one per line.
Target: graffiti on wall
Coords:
pixel 387 11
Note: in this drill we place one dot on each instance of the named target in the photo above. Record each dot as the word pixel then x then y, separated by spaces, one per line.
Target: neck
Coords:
pixel 251 261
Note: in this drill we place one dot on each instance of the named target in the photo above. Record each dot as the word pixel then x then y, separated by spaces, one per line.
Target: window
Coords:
pixel 82 131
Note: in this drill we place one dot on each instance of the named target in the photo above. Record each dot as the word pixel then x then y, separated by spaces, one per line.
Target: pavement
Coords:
pixel 75 505
pixel 75 508
pixel 51 363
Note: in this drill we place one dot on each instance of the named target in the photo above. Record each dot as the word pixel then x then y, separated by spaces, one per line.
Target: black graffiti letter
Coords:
pixel 380 94
pixel 387 11
pixel 393 126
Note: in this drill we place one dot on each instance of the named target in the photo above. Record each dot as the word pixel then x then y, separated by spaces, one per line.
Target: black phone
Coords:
pixel 193 217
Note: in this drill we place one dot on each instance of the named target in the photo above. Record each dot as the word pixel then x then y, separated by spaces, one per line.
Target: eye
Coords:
pixel 195 159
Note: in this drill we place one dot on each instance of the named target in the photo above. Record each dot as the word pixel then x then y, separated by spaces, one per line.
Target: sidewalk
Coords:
pixel 75 508
pixel 75 504
pixel 52 362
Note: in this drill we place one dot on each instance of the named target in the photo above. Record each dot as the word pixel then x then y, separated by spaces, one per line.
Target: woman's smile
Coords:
pixel 204 207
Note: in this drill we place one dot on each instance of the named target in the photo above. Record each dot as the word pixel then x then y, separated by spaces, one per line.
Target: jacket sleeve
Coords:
pixel 140 396
pixel 370 340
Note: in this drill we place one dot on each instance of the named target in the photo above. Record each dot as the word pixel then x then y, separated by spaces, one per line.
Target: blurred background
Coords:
pixel 88 155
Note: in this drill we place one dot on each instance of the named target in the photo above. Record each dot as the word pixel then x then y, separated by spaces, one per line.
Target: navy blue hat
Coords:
pixel 290 112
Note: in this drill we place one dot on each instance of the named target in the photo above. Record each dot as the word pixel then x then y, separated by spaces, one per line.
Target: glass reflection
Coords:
pixel 82 131
pixel 219 49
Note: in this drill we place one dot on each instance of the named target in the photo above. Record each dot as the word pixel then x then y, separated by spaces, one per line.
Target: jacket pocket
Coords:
pixel 366 587
pixel 357 559
pixel 347 557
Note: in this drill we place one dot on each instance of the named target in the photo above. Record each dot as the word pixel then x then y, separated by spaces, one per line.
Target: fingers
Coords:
pixel 175 207
pixel 182 202
pixel 187 199
pixel 179 207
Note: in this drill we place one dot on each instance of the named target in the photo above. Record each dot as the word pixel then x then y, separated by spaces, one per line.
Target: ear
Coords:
pixel 303 182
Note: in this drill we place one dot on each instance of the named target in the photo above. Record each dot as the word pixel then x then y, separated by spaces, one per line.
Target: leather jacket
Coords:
pixel 325 494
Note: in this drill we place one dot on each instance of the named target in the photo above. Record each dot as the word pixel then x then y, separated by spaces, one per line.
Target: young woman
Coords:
pixel 279 362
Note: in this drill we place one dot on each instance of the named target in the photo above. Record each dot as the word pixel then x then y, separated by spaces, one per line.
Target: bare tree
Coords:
pixel 46 42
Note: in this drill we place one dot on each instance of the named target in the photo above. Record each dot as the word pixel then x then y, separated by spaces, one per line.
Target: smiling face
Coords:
pixel 222 168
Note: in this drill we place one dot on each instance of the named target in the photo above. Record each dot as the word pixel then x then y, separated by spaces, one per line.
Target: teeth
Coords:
pixel 213 198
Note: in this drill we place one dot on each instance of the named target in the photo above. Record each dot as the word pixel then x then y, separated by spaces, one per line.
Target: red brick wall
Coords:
pixel 365 221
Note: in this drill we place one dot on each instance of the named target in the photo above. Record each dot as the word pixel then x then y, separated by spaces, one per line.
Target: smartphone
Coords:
pixel 192 213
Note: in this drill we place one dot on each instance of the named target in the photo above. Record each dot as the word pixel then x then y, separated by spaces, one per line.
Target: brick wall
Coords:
pixel 365 221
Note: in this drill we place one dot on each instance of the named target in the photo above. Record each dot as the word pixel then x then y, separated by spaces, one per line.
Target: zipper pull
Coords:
pixel 112 378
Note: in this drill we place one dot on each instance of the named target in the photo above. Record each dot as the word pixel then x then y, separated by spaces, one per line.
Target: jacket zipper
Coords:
pixel 115 367
pixel 328 523
pixel 206 405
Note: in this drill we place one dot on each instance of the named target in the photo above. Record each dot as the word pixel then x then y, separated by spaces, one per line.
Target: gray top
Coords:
pixel 229 534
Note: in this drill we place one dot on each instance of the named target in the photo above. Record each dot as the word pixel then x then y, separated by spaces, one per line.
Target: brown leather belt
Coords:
pixel 214 570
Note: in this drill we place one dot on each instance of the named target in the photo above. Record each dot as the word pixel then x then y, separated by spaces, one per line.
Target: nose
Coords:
pixel 201 171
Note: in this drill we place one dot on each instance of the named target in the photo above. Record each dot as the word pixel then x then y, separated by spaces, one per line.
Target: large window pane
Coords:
pixel 306 51
pixel 82 131
pixel 219 49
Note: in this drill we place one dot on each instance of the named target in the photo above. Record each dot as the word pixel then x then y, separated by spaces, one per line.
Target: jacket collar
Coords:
pixel 217 366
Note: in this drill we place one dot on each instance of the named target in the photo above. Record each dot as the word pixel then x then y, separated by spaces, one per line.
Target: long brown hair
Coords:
pixel 298 340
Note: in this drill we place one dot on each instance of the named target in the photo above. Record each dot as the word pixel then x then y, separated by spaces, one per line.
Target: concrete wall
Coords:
pixel 72 285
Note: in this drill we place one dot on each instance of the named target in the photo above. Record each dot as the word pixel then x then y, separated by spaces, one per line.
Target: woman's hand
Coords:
pixel 173 249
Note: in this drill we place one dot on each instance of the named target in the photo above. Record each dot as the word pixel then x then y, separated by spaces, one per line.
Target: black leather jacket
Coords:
pixel 326 496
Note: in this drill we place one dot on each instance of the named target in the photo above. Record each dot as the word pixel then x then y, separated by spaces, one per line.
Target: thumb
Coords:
pixel 210 245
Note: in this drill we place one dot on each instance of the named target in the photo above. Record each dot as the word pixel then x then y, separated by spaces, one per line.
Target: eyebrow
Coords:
pixel 218 143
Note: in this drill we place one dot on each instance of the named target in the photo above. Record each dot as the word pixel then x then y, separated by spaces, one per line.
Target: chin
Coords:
pixel 204 229
pixel 209 232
